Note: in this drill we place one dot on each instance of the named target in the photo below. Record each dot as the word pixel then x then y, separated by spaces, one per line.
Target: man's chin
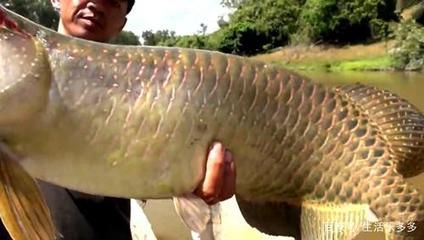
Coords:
pixel 89 34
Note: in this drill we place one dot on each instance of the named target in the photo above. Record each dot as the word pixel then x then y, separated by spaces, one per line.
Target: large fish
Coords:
pixel 135 122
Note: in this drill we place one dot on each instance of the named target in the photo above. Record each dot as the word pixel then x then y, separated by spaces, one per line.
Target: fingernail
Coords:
pixel 217 146
pixel 228 157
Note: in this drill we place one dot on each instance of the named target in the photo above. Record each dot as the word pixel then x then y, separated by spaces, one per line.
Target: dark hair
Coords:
pixel 130 5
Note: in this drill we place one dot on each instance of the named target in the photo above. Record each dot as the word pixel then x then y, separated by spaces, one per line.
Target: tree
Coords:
pixel 231 3
pixel 39 11
pixel 410 9
pixel 408 48
pixel 159 37
pixel 222 22
pixel 257 26
pixel 237 3
pixel 193 41
pixel 126 38
pixel 342 21
pixel 203 29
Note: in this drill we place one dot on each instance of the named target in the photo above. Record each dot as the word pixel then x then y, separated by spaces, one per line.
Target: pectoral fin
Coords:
pixel 22 207
pixel 195 213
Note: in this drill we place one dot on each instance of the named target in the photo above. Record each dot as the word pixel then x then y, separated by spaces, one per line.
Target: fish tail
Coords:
pixel 398 205
pixel 400 123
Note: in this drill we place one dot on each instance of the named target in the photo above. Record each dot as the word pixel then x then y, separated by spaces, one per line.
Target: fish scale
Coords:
pixel 138 125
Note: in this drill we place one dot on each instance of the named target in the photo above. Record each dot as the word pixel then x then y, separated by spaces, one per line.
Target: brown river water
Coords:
pixel 410 86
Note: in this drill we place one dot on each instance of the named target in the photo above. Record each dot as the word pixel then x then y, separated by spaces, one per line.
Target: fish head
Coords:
pixel 24 72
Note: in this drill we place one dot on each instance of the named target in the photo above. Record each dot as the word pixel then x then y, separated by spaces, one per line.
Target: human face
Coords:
pixel 97 20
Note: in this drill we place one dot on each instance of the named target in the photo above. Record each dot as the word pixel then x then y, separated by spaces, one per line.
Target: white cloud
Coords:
pixel 181 16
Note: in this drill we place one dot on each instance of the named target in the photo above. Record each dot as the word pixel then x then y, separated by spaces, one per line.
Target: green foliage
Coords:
pixel 40 11
pixel 255 26
pixel 408 50
pixel 160 37
pixel 371 64
pixel 192 41
pixel 126 38
pixel 343 21
pixel 170 39
pixel 231 3
pixel 258 26
pixel 380 29
pixel 240 38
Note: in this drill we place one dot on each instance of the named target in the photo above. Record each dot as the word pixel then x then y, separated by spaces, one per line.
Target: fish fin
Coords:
pixel 273 218
pixel 22 207
pixel 331 221
pixel 193 211
pixel 400 123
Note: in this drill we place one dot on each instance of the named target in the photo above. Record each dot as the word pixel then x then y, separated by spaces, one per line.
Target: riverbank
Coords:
pixel 361 57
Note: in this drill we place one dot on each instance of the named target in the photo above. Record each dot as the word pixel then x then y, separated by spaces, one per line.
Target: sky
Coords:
pixel 181 16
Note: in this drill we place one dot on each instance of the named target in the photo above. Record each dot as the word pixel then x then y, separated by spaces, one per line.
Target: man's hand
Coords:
pixel 220 177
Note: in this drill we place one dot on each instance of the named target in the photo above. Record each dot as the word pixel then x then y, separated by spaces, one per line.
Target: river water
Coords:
pixel 408 85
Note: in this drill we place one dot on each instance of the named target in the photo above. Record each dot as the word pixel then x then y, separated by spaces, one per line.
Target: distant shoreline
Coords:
pixel 360 57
